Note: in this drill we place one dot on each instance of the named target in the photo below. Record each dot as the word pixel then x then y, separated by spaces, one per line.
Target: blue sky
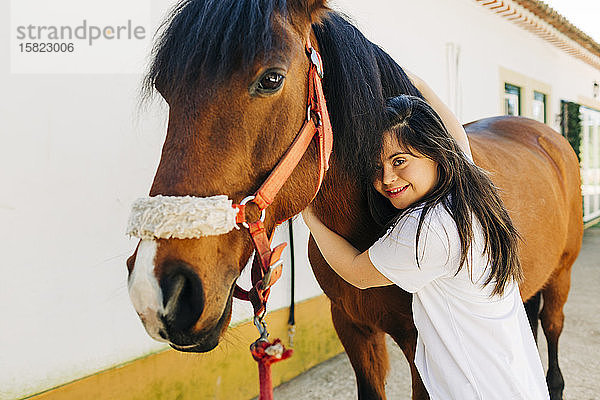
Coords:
pixel 585 14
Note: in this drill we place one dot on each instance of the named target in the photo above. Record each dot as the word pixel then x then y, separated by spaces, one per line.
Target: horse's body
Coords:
pixel 539 182
pixel 217 136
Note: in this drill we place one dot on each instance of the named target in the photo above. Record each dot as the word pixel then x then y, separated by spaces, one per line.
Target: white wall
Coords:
pixel 415 33
pixel 74 154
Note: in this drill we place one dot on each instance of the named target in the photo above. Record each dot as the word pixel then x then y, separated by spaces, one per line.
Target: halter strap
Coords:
pixel 191 217
pixel 267 266
pixel 317 123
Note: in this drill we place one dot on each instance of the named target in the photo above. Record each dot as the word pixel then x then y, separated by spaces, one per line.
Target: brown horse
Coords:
pixel 234 73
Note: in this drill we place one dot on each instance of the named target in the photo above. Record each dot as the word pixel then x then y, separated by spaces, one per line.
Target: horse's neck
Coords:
pixel 341 203
pixel 342 206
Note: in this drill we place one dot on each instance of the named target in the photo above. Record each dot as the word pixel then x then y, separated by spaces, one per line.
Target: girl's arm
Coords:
pixel 450 121
pixel 353 266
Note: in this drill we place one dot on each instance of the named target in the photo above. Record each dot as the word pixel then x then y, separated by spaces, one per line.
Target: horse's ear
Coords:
pixel 317 9
pixel 313 10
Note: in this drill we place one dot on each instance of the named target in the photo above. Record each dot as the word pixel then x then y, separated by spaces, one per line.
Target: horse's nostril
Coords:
pixel 130 262
pixel 183 297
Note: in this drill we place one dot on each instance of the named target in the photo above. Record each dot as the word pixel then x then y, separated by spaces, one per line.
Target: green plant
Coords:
pixel 571 124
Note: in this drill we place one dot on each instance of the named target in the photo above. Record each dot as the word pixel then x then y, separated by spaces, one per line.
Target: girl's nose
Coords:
pixel 388 175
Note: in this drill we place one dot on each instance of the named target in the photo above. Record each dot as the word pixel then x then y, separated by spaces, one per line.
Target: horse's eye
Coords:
pixel 270 82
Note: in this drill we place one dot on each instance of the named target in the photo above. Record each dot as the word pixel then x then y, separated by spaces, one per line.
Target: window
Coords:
pixel 524 96
pixel 590 163
pixel 539 106
pixel 512 99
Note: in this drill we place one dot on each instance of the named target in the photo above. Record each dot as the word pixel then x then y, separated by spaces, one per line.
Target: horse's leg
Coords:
pixel 408 343
pixel 532 307
pixel 555 296
pixel 368 355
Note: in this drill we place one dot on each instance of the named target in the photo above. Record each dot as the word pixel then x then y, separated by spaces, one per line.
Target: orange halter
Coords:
pixel 267 266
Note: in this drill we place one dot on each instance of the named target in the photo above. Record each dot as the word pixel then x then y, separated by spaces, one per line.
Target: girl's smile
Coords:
pixel 393 193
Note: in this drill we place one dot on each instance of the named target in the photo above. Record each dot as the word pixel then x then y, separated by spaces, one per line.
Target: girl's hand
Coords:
pixel 454 127
pixel 418 82
pixel 308 215
pixel 308 210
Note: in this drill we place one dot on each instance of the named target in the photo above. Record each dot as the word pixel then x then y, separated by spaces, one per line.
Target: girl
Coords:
pixel 451 243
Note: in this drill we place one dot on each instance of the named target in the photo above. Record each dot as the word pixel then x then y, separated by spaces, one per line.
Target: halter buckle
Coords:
pixel 267 277
pixel 309 116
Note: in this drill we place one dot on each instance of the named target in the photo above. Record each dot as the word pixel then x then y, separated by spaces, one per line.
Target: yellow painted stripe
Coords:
pixel 228 372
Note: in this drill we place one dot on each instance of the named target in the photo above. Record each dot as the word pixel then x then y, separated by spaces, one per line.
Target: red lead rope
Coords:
pixel 317 126
pixel 266 353
pixel 267 264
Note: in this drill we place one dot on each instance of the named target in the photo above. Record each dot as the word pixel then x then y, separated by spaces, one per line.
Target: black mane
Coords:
pixel 359 76
pixel 220 36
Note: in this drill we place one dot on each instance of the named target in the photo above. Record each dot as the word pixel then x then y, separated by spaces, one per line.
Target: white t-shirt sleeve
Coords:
pixel 394 254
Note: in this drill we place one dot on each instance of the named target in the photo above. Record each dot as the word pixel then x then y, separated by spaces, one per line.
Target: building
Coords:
pixel 493 57
pixel 80 152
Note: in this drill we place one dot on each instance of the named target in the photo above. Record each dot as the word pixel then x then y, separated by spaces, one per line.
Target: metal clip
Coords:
pixel 262 328
pixel 263 212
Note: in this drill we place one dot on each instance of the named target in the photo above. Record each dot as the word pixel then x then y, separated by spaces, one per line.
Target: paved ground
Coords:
pixel 579 351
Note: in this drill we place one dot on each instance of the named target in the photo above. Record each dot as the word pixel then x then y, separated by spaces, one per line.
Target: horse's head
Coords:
pixel 234 74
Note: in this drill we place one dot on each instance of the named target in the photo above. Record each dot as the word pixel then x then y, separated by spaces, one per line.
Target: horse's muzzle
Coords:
pixel 199 342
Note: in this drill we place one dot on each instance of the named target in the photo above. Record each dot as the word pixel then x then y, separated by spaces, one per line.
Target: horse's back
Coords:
pixel 538 175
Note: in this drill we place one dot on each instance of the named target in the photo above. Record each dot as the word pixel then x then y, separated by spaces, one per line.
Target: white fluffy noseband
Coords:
pixel 166 217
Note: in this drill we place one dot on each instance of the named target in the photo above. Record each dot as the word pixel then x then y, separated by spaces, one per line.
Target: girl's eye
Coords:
pixel 270 82
pixel 398 162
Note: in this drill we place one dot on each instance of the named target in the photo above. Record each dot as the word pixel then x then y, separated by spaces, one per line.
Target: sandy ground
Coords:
pixel 579 350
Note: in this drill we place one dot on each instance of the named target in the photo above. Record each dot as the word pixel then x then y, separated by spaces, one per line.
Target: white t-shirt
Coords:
pixel 470 345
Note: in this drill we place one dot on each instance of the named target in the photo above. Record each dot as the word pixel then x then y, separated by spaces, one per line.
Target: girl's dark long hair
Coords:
pixel 463 189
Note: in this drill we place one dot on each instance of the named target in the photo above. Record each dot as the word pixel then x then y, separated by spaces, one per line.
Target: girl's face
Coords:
pixel 402 178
